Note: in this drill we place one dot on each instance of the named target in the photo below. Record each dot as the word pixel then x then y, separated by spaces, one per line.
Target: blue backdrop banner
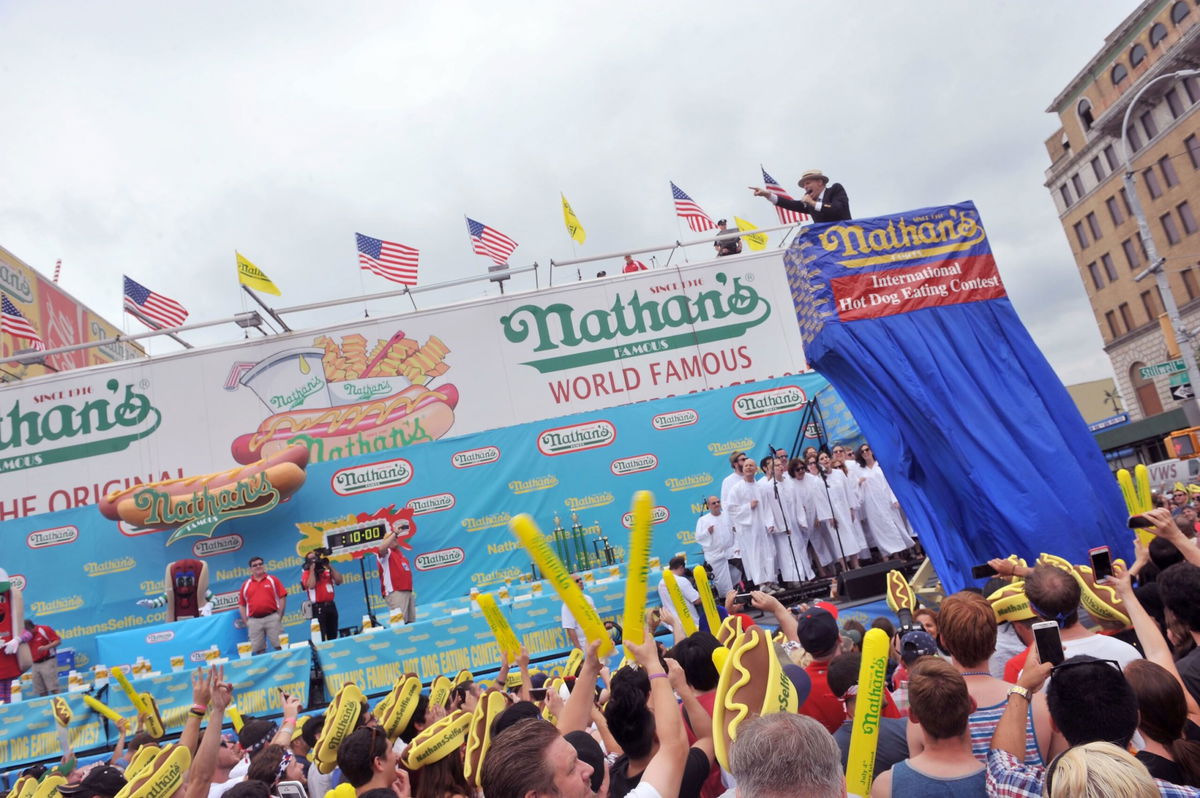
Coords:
pixel 907 317
pixel 83 573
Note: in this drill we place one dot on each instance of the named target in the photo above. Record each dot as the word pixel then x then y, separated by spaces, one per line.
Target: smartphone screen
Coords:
pixel 982 571
pixel 1139 522
pixel 742 597
pixel 291 789
pixel 1101 562
pixel 1049 644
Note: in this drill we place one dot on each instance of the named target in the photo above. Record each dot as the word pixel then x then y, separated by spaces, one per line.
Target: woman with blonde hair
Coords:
pixel 1098 770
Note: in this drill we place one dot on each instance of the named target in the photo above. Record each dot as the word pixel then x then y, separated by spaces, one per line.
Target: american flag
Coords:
pixel 16 325
pixel 785 216
pixel 687 209
pixel 490 241
pixel 154 310
pixel 388 259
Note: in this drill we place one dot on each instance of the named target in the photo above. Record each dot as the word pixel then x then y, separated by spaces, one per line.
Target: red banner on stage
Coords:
pixel 875 294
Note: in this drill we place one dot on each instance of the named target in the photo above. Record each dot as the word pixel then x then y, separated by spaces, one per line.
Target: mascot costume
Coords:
pixel 15 657
pixel 187 594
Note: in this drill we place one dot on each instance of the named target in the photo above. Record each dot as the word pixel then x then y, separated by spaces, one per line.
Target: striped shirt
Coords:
pixel 983 722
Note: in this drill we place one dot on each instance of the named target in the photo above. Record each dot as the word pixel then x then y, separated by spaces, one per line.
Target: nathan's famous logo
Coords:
pixel 89 426
pixel 689 482
pixel 66 604
pixel 576 438
pixel 632 465
pixel 634 326
pixel 52 537
pixel 486 522
pixel 431 504
pixel 769 402
pixel 441 558
pixel 588 502
pixel 372 476
pixel 726 448
pixel 905 238
pixel 658 515
pixel 519 486
pixel 160 637
pixel 17 580
pixel 109 566
pixel 15 283
pixel 219 545
pixel 340 400
pixel 475 457
pixel 676 418
pixel 198 505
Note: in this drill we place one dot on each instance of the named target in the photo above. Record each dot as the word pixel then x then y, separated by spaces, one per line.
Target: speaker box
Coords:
pixel 868 581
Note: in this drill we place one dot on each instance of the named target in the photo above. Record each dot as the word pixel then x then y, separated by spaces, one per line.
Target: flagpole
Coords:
pixel 263 305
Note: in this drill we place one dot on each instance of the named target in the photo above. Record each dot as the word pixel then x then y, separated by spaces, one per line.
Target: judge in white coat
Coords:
pixel 753 521
pixel 844 531
pixel 715 536
pixel 791 534
pixel 880 506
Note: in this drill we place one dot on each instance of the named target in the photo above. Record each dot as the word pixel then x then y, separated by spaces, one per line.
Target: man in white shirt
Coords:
pixel 1055 595
pixel 678 566
pixel 715 536
pixel 573 628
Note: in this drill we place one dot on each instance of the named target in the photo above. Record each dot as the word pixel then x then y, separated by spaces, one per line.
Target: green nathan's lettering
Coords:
pixel 129 409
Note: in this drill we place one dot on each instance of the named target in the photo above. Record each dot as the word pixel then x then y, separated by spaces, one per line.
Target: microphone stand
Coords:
pixel 362 567
pixel 836 527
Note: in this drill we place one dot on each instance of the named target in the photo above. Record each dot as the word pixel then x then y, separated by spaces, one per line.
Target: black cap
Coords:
pixel 105 781
pixel 818 631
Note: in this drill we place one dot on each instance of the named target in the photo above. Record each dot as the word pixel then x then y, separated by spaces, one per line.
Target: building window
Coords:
pixel 1130 253
pixel 1113 330
pixel 1135 141
pixel 1118 74
pixel 1189 284
pixel 1158 32
pixel 1097 169
pixel 1137 54
pixel 1168 170
pixel 1148 124
pixel 1186 217
pixel 1149 402
pixel 1170 228
pixel 1174 103
pixel 1081 235
pixel 1126 315
pixel 1191 87
pixel 1110 155
pixel 1193 147
pixel 1109 268
pixel 1152 184
pixel 1179 11
pixel 1065 190
pixel 1125 202
pixel 1114 210
pixel 1085 113
pixel 1077 184
pixel 1094 273
pixel 1148 305
pixel 1094 226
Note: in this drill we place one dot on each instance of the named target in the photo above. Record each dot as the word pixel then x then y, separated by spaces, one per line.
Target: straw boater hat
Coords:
pixel 813 173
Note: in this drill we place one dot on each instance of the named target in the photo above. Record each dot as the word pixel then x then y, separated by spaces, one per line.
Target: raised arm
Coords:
pixel 204 764
pixel 665 769
pixel 576 713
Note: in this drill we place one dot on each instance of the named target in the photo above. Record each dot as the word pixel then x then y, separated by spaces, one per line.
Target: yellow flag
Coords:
pixel 574 228
pixel 755 240
pixel 251 276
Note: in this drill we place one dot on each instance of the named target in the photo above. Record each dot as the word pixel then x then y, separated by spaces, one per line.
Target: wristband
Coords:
pixel 199 710
pixel 658 675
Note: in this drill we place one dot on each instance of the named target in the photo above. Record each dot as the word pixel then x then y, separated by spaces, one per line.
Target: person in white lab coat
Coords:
pixel 880 506
pixel 840 499
pixel 753 521
pixel 791 535
pixel 715 536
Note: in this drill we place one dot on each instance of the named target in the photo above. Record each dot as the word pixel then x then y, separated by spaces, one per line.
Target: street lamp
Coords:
pixel 1191 407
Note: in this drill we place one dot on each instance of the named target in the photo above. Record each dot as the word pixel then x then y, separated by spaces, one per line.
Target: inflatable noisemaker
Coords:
pixel 49 786
pixel 98 706
pixel 395 710
pixel 729 630
pixel 864 733
pixel 1138 498
pixel 706 599
pixel 437 741
pixel 526 531
pixel 340 718
pixel 145 705
pixel 161 776
pixel 439 691
pixel 900 598
pixel 479 737
pixel 62 710
pixel 682 611
pixel 752 683
pixel 573 664
pixel 506 639
pixel 1010 603
pixel 641 529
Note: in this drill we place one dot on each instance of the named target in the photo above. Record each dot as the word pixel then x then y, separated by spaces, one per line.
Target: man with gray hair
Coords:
pixel 786 756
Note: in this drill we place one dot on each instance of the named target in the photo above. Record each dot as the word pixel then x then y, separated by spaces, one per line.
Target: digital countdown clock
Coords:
pixel 356 537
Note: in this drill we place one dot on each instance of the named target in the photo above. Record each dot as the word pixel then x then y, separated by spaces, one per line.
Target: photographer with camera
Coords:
pixel 318 578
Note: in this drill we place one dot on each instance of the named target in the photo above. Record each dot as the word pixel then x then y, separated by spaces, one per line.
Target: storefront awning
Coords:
pixel 1154 427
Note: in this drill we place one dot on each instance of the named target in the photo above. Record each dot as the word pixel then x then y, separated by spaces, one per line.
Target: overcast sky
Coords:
pixel 154 138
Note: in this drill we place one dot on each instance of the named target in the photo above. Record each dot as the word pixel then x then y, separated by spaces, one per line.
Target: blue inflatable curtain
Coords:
pixel 907 317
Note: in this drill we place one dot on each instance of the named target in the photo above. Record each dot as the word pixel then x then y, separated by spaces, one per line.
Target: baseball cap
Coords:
pixel 104 781
pixel 916 644
pixel 818 631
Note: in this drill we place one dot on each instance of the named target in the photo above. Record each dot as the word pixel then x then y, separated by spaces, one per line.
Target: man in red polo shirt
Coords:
pixel 44 648
pixel 262 601
pixel 818 634
pixel 395 575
